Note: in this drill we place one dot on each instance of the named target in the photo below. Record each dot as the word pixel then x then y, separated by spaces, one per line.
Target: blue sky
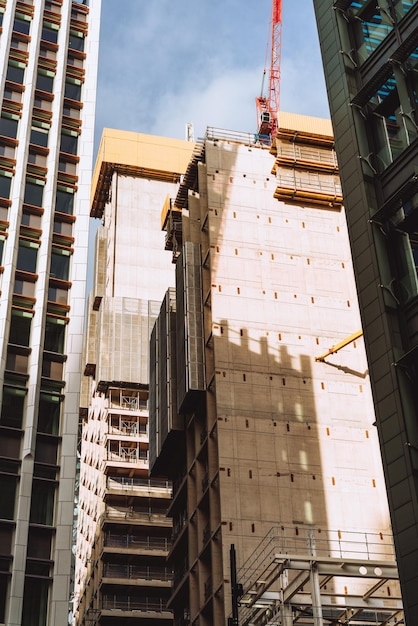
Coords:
pixel 165 63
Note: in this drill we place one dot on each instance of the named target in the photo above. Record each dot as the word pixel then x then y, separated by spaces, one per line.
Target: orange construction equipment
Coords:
pixel 268 107
pixel 339 345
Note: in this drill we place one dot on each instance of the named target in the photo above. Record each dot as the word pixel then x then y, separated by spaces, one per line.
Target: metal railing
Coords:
pixel 316 542
pixel 126 603
pixel 118 570
pixel 127 483
pixel 133 541
pixel 250 139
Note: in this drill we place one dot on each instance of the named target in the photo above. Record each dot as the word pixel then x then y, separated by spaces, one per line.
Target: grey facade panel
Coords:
pixel 189 325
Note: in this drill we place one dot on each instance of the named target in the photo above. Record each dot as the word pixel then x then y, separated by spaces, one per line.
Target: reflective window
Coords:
pixel 21 26
pixel 35 603
pixel 72 91
pixel 31 219
pixel 370 27
pixel 44 83
pixel 24 288
pixel 27 257
pixel 8 127
pixel 402 7
pixel 12 94
pixel 54 336
pixel 20 325
pixel 42 503
pixel 6 150
pixel 76 41
pixel 33 194
pixel 60 265
pixel 49 34
pixel 64 202
pixel 57 295
pixel 15 74
pixel 63 228
pixel 12 407
pixel 39 136
pixel 69 143
pixel 5 184
pixel 49 414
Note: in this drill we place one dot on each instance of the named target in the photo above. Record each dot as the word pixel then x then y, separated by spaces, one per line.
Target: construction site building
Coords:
pixel 261 411
pixel 123 533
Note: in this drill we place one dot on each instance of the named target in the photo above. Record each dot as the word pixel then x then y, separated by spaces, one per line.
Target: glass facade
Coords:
pixel 373 99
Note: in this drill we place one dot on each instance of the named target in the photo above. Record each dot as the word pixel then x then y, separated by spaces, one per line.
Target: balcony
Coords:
pixel 126 456
pixel 134 607
pixel 134 515
pixel 155 488
pixel 136 573
pixel 136 543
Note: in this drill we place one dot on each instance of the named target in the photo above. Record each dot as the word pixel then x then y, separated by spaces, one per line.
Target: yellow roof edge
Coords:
pixel 136 152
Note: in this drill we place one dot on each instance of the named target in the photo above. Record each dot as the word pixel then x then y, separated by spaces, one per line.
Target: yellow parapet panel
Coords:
pixel 305 124
pixel 136 154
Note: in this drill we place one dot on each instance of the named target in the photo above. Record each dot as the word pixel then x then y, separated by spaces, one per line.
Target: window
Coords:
pixel 12 407
pixel 8 126
pixel 60 264
pixel 390 131
pixel 41 102
pixel 15 73
pixel 69 143
pixel 36 158
pixel 42 502
pixel 76 41
pixel 27 256
pixel 17 363
pixel 49 414
pixel 5 184
pixel 24 288
pixel 6 150
pixel 69 167
pixel 54 336
pixel 35 603
pixel 72 91
pixel 49 34
pixel 8 496
pixel 64 201
pixel 33 194
pixel 33 220
pixel 63 228
pixel 45 82
pixel 369 28
pixel 20 328
pixel 21 26
pixel 14 94
pixel 60 296
pixel 39 136
pixel 71 111
pixel 1 248
pixel 52 369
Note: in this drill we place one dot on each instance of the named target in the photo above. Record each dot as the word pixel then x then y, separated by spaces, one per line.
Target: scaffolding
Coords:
pixel 312 577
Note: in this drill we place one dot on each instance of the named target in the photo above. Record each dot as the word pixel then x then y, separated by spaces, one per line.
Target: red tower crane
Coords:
pixel 268 106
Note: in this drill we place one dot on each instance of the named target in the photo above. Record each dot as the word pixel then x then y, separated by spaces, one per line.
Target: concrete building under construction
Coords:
pixel 260 406
pixel 123 532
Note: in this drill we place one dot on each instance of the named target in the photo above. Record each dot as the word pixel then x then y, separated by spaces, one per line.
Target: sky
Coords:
pixel 163 64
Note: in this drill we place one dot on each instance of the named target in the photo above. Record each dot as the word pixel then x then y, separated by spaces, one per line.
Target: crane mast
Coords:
pixel 268 106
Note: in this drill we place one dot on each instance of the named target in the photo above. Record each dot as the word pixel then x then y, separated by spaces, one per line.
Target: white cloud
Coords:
pixel 227 101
